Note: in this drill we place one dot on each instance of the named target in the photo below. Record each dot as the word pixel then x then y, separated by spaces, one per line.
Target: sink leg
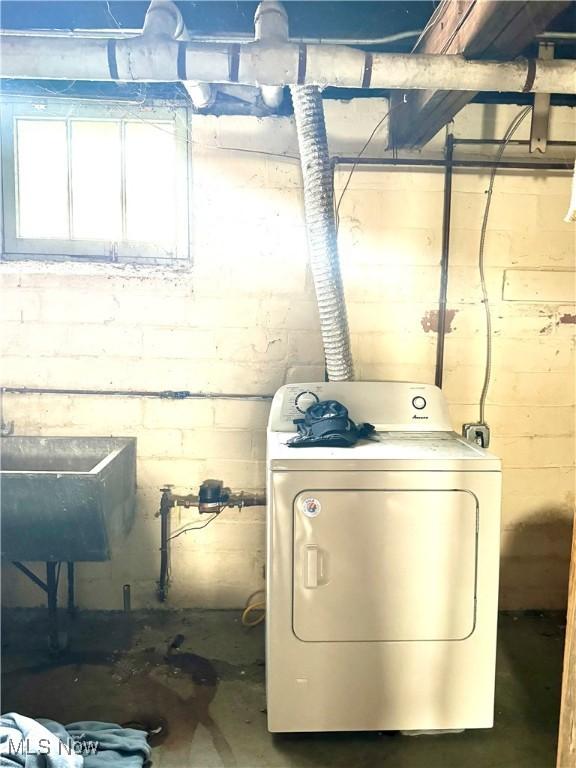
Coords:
pixel 165 506
pixel 70 583
pixel 52 593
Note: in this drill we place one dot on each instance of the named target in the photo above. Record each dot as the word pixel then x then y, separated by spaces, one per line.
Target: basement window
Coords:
pixel 103 182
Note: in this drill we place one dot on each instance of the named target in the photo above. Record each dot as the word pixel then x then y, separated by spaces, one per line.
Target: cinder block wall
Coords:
pixel 242 318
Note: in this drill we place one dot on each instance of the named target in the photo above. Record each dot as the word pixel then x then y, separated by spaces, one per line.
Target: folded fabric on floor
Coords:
pixel 27 743
pixel 116 746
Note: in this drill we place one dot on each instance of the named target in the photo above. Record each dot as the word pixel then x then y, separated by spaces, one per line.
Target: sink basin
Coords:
pixel 66 498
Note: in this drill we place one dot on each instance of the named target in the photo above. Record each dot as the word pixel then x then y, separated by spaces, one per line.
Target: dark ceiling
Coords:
pixel 313 19
pixel 344 19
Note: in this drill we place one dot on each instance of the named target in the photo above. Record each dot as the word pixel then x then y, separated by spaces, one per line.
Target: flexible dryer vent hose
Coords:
pixel 321 230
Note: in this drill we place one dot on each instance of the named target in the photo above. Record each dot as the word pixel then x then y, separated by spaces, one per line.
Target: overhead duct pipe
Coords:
pixel 321 230
pixel 152 58
pixel 271 27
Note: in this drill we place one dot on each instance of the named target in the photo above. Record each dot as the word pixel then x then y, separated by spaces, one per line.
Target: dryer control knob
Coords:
pixel 305 399
pixel 419 402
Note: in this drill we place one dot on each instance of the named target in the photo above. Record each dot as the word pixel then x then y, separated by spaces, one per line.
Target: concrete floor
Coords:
pixel 209 696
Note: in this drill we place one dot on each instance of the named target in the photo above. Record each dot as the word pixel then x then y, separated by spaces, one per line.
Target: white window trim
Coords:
pixel 15 248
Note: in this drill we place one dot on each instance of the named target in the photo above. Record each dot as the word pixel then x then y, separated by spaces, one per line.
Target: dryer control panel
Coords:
pixel 390 405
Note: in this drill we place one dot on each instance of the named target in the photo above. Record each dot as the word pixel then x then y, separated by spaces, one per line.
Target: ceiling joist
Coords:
pixel 495 29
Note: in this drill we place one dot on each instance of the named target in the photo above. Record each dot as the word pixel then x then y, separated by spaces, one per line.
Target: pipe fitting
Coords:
pixel 272 95
pixel 271 26
pixel 163 17
pixel 271 21
pixel 202 94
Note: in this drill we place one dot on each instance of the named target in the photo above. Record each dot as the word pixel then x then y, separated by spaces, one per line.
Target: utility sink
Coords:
pixel 66 498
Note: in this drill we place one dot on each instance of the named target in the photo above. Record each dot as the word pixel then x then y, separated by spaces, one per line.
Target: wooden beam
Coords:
pixel 496 29
pixel 567 731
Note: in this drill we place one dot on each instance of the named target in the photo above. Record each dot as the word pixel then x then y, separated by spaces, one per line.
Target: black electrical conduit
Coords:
pixel 448 163
pixel 443 299
pixel 512 142
pixel 417 162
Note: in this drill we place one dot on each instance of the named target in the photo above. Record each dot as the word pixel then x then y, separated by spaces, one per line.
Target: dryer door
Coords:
pixel 384 565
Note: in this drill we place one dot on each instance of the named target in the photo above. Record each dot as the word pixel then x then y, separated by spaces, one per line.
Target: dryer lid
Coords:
pixel 394 450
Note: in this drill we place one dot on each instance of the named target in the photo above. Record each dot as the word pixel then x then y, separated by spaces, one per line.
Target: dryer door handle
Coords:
pixel 311 566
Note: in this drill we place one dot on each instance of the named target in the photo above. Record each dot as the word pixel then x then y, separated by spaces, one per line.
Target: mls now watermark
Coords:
pixel 52 747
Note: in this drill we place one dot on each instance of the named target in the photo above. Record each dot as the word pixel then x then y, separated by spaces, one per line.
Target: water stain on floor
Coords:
pixel 168 694
pixel 197 678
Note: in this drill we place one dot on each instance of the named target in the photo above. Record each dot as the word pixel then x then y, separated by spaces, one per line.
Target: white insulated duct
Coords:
pixel 164 20
pixel 201 94
pixel 163 17
pixel 161 58
pixel 271 26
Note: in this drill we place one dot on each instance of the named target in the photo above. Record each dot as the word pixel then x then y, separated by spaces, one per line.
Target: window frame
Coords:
pixel 127 252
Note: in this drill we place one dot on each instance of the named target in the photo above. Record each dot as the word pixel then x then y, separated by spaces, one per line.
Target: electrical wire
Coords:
pixel 280 155
pixel 511 130
pixel 123 108
pixel 434 19
pixel 194 527
pixel 355 165
pixel 96 99
pixel 191 142
pixel 457 28
pixel 109 12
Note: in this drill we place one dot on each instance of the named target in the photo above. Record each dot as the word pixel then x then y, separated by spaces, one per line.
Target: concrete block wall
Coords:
pixel 241 318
